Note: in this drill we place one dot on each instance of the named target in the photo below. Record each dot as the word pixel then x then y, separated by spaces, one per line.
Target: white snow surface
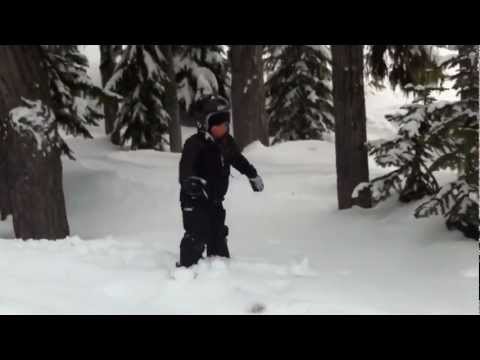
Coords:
pixel 292 251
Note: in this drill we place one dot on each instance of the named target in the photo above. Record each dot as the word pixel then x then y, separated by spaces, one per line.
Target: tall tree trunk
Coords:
pixel 350 124
pixel 110 105
pixel 248 95
pixel 171 103
pixel 33 177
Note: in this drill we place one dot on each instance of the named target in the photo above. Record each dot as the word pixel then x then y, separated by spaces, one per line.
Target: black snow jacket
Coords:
pixel 211 160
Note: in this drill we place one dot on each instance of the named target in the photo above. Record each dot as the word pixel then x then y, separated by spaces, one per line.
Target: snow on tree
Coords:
pixel 456 137
pixel 201 70
pixel 108 55
pixel 457 201
pixel 140 78
pixel 299 92
pixel 403 65
pixel 74 97
pixel 410 152
pixel 37 120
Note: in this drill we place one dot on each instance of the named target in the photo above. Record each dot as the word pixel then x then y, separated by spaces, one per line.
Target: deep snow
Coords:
pixel 293 251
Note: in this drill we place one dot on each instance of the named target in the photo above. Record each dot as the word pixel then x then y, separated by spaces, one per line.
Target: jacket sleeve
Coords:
pixel 190 153
pixel 240 162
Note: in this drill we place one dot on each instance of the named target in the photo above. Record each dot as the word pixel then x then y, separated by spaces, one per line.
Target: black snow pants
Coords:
pixel 204 224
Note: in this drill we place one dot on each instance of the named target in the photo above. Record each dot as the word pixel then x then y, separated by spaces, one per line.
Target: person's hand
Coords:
pixel 195 187
pixel 257 184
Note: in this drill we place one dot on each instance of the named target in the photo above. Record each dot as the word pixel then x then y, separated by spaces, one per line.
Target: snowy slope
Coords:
pixel 293 251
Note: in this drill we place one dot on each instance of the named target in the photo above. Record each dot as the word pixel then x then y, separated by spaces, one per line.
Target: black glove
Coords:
pixel 257 184
pixel 195 187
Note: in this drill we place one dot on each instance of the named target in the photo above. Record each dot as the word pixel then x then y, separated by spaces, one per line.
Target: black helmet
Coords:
pixel 210 108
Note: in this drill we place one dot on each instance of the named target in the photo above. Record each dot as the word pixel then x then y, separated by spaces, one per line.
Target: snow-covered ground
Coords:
pixel 293 251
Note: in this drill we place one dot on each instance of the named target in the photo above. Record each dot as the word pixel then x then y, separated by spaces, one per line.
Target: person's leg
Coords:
pixel 197 229
pixel 191 250
pixel 217 245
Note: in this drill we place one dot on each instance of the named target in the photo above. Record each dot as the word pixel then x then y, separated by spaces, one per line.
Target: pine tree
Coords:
pixel 200 70
pixel 73 95
pixel 456 137
pixel 108 55
pixel 140 78
pixel 299 92
pixel 410 152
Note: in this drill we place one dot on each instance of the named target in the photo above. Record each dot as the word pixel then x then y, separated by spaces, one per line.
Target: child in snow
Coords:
pixel 204 177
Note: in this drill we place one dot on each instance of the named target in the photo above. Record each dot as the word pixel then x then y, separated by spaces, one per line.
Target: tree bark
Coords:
pixel 32 179
pixel 5 206
pixel 171 103
pixel 110 105
pixel 350 124
pixel 248 95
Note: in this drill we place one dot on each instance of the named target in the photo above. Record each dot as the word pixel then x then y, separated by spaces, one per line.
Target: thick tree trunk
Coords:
pixel 350 124
pixel 110 105
pixel 33 177
pixel 171 103
pixel 248 96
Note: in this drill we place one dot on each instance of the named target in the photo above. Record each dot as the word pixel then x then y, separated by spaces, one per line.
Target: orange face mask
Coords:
pixel 219 131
